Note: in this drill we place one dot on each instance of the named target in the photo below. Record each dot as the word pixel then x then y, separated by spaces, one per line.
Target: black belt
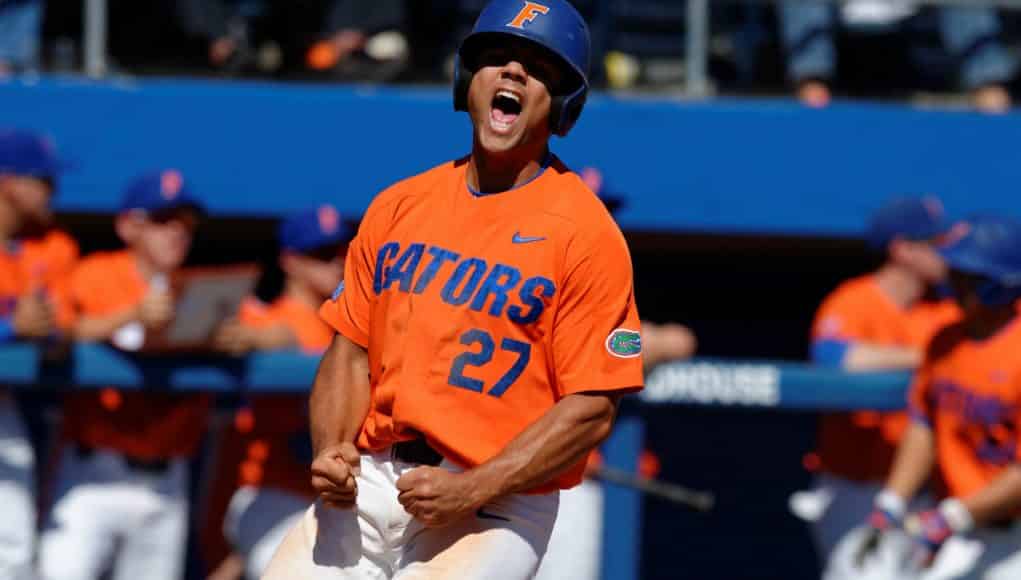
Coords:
pixel 415 451
pixel 149 466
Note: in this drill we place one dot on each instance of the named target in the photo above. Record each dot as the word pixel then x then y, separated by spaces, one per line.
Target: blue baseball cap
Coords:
pixel 911 218
pixel 159 191
pixel 312 229
pixel 29 154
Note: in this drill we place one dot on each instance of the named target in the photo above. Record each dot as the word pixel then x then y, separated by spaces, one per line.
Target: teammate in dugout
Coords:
pixel 121 492
pixel 879 321
pixel 264 456
pixel 965 406
pixel 35 260
pixel 486 328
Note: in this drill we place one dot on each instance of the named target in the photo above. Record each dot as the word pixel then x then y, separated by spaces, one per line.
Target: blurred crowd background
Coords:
pixel 878 48
pixel 102 275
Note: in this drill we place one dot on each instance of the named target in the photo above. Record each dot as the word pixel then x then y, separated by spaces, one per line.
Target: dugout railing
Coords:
pixel 702 382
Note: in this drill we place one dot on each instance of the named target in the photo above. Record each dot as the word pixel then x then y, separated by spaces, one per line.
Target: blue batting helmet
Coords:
pixel 988 246
pixel 554 25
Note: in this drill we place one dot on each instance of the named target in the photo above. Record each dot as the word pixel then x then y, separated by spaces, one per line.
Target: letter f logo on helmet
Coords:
pixel 527 14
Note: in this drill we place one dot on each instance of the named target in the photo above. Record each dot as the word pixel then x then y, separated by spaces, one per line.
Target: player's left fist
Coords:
pixel 437 497
pixel 930 529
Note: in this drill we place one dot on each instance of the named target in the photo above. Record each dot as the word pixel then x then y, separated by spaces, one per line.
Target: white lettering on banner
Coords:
pixel 714 384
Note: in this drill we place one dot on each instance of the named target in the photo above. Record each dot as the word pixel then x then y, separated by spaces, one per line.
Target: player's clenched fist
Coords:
pixel 334 473
pixel 437 497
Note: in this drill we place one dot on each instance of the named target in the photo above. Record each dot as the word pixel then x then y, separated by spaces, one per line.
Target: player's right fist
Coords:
pixel 33 317
pixel 157 308
pixel 334 473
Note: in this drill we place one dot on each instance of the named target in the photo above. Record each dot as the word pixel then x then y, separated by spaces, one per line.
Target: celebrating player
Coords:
pixel 486 328
pixel 965 406
pixel 880 321
pixel 122 490
pixel 264 454
pixel 35 260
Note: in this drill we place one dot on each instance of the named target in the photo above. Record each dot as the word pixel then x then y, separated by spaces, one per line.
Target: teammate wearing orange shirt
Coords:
pixel 121 492
pixel 264 456
pixel 965 406
pixel 880 321
pixel 35 259
pixel 486 328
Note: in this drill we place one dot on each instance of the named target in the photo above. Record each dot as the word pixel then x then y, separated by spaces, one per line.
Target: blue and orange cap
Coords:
pixel 29 154
pixel 910 218
pixel 312 229
pixel 160 190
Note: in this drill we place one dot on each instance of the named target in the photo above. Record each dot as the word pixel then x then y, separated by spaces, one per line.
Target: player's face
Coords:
pixel 29 198
pixel 923 259
pixel 319 270
pixel 509 97
pixel 165 237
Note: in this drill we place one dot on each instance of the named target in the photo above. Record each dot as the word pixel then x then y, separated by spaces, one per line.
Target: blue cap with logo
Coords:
pixel 312 229
pixel 911 218
pixel 160 190
pixel 29 154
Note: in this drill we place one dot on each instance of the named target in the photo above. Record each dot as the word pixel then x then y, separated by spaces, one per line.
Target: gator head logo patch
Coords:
pixel 624 343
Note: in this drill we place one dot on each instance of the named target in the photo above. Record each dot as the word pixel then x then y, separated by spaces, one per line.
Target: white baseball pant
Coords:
pixel 575 547
pixel 379 540
pixel 17 485
pixel 257 521
pixel 109 515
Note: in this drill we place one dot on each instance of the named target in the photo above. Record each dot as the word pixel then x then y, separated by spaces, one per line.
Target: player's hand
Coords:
pixel 437 497
pixel 929 530
pixel 33 317
pixel 886 516
pixel 156 309
pixel 334 473
pixel 233 338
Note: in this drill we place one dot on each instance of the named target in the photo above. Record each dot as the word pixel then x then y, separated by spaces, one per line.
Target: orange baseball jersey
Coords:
pixel 860 446
pixel 38 265
pixel 143 425
pixel 479 312
pixel 969 392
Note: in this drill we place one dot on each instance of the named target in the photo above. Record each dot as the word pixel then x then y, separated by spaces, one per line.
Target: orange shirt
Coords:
pixel 969 392
pixel 142 425
pixel 480 312
pixel 38 264
pixel 860 446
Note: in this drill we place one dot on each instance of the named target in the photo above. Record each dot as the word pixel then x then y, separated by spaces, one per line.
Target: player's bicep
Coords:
pixel 597 333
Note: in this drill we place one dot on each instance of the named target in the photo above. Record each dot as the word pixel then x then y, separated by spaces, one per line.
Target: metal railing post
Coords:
pixel 696 78
pixel 95 38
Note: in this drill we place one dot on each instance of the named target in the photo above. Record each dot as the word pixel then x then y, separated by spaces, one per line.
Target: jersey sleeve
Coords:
pixel 838 325
pixel 348 310
pixel 596 330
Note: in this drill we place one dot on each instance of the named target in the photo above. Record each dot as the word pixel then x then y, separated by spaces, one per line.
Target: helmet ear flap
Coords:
pixel 462 80
pixel 565 110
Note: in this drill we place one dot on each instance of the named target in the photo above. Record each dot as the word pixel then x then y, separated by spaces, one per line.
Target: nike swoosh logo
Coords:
pixel 482 514
pixel 519 239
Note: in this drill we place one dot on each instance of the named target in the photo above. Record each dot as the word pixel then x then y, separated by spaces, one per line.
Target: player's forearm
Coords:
pixel 873 357
pixel 998 500
pixel 548 447
pixel 103 327
pixel 340 394
pixel 914 461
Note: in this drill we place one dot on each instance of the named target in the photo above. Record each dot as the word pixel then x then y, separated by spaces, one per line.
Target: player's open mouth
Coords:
pixel 505 108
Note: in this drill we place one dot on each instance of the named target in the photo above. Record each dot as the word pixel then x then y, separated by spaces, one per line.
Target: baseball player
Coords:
pixel 121 489
pixel 879 321
pixel 486 327
pixel 965 406
pixel 264 456
pixel 35 260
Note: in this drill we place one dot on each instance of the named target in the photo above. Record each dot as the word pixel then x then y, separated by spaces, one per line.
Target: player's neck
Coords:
pixel 8 225
pixel 904 288
pixel 303 294
pixel 146 269
pixel 488 173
